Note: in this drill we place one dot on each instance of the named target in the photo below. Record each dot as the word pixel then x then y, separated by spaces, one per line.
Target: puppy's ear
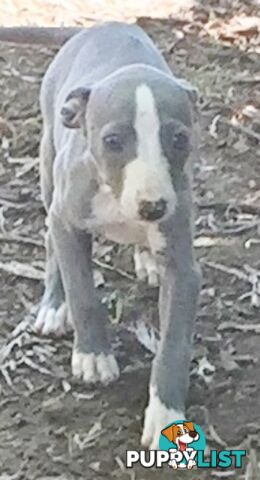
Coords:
pixel 74 109
pixel 193 95
pixel 168 433
pixel 191 91
pixel 189 425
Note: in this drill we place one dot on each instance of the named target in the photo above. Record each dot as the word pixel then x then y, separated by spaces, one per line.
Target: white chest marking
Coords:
pixel 108 219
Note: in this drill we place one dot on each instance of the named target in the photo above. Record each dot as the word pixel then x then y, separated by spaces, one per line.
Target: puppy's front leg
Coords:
pixel 177 307
pixel 91 358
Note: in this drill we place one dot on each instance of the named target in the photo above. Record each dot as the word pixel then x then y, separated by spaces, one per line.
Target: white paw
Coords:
pixel 95 368
pixel 146 267
pixel 157 417
pixel 50 321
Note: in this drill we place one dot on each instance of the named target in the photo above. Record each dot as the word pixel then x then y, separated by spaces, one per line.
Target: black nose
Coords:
pixel 152 210
pixel 193 434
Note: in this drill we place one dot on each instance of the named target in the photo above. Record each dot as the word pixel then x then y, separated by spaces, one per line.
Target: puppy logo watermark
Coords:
pixel 182 440
pixel 182 446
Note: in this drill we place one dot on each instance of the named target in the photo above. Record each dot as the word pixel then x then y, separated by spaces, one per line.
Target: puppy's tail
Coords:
pixel 38 35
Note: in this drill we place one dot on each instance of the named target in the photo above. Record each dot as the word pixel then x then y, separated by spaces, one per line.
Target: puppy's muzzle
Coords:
pixel 151 211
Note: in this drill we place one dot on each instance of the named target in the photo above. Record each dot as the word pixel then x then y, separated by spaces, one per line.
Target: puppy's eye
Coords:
pixel 113 142
pixel 179 432
pixel 181 140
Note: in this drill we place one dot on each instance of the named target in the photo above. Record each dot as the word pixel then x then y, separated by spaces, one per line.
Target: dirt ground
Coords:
pixel 52 427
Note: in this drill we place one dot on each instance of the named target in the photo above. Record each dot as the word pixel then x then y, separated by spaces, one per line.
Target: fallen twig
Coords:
pixel 113 269
pixel 211 240
pixel 241 228
pixel 22 270
pixel 6 376
pixel 6 237
pixel 251 241
pixel 27 167
pixel 252 277
pixel 240 128
pixel 230 270
pixel 215 436
pixel 27 361
pixel 243 207
pixel 255 79
pixel 10 204
pixel 229 325
pixel 227 474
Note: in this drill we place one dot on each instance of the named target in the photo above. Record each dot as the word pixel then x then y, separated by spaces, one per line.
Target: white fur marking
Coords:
pixel 94 368
pixel 147 125
pixel 147 177
pixel 108 219
pixel 156 239
pixel 147 336
pixel 50 321
pixel 146 267
pixel 157 417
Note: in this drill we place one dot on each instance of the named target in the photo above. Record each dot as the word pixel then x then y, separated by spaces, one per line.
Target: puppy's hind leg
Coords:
pixel 52 315
pixel 145 266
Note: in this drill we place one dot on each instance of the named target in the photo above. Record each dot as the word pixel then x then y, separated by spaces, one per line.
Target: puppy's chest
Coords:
pixel 108 219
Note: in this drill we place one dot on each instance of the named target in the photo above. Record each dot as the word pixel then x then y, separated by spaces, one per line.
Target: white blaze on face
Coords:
pixel 147 125
pixel 147 177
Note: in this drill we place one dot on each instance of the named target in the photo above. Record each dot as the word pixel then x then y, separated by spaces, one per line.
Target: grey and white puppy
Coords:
pixel 115 156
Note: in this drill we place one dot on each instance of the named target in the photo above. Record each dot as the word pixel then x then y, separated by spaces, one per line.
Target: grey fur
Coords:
pixel 109 62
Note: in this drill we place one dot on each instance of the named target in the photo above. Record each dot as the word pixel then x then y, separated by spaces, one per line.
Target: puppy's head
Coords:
pixel 181 434
pixel 137 123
